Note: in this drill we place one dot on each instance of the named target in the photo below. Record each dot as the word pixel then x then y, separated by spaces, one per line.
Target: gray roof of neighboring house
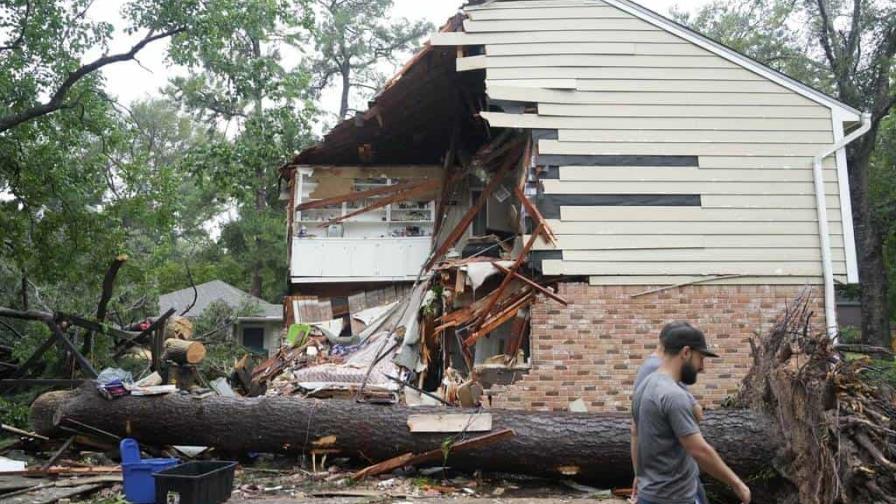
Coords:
pixel 216 290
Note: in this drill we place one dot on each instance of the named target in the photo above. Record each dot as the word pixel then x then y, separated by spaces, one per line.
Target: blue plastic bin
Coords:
pixel 137 474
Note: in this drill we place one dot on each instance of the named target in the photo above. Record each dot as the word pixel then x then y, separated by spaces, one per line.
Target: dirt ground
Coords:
pixel 429 500
pixel 414 487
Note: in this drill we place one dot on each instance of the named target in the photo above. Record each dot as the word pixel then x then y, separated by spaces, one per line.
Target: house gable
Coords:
pixel 616 83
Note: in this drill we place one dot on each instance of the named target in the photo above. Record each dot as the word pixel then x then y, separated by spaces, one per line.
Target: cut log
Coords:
pixel 178 327
pixel 593 446
pixel 184 351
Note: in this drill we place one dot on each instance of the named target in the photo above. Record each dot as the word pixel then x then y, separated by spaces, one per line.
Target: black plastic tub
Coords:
pixel 209 482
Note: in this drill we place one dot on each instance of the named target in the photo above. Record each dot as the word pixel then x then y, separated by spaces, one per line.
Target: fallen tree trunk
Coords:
pixel 590 447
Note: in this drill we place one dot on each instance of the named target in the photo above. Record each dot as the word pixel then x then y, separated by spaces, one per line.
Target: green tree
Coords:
pixel 242 81
pixel 352 37
pixel 847 47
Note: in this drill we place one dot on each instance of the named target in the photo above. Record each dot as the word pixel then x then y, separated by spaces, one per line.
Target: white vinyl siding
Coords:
pixel 613 84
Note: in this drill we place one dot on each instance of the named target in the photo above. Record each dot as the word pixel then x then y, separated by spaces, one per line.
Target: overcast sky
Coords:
pixel 130 81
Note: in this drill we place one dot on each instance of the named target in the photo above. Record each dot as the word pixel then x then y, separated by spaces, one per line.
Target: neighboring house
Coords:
pixel 661 160
pixel 258 330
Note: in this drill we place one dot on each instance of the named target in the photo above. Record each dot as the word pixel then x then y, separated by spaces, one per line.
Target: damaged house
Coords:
pixel 545 185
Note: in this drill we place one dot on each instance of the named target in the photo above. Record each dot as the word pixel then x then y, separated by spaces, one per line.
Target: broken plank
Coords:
pixel 13 483
pixel 536 215
pixel 493 323
pixel 507 278
pixel 531 283
pixel 439 454
pixel 384 466
pixel 409 459
pixel 450 422
pixel 417 191
pixel 62 449
pixel 49 495
pixel 23 433
pixel 359 195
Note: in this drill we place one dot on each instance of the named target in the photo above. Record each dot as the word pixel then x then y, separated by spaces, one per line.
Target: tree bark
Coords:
pixel 105 297
pixel 590 447
pixel 184 351
pixel 869 246
pixel 260 192
pixel 346 72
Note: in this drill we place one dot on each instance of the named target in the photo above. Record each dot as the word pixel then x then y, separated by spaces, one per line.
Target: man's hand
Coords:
pixel 708 460
pixel 634 498
pixel 743 492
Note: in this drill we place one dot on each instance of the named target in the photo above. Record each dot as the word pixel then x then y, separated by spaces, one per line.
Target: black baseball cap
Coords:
pixel 677 335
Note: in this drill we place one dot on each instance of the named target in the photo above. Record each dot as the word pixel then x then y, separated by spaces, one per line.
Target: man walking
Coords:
pixel 666 442
pixel 650 365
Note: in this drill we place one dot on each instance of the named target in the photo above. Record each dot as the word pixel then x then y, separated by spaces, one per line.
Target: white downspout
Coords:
pixel 824 231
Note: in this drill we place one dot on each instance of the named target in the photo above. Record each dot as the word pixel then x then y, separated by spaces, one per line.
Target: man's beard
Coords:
pixel 688 373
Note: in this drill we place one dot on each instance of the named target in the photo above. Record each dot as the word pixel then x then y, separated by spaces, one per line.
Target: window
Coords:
pixel 253 339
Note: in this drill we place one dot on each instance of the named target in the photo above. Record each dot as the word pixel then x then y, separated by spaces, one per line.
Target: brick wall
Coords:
pixel 592 348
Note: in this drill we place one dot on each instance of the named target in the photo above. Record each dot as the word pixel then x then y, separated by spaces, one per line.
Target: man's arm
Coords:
pixel 634 453
pixel 698 412
pixel 709 460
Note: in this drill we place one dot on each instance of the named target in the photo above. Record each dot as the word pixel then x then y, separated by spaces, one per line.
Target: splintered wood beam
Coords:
pixel 385 466
pixel 355 196
pixel 419 190
pixel 503 316
pixel 509 277
pixel 409 459
pixel 468 217
pixel 536 215
pixel 531 283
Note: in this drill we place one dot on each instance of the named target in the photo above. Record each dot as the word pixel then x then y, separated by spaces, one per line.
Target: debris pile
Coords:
pixel 447 338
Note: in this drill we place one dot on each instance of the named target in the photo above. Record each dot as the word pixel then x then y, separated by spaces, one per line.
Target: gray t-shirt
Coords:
pixel 663 413
pixel 651 364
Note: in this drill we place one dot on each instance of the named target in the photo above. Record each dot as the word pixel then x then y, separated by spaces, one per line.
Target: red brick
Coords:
pixel 611 333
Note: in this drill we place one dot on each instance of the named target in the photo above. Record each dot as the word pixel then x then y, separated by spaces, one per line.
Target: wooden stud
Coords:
pixel 536 215
pixel 513 269
pixel 531 283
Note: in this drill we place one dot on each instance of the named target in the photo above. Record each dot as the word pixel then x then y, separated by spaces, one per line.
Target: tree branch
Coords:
pixel 18 41
pixel 26 315
pixel 827 28
pixel 57 101
pixel 105 297
pixel 195 291
pixel 852 41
